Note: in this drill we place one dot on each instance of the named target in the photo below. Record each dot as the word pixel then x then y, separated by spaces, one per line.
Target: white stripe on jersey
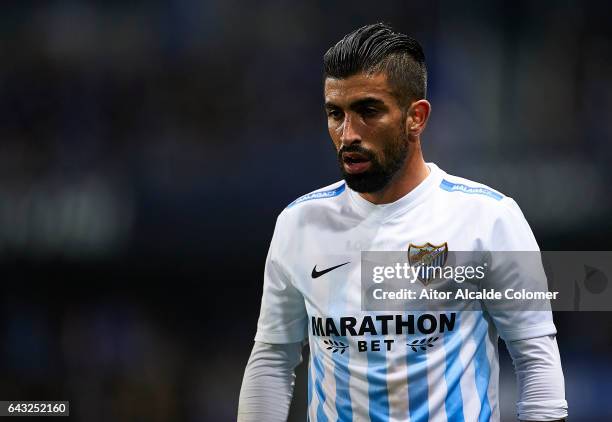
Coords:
pixel 436 381
pixel 330 387
pixel 314 397
pixel 471 405
pixel 358 386
pixel 397 382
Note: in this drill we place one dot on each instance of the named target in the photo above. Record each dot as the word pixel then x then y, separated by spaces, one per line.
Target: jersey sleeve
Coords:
pixel 517 265
pixel 283 317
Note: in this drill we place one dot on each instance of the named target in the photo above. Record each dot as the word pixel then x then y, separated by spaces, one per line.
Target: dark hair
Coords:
pixel 377 48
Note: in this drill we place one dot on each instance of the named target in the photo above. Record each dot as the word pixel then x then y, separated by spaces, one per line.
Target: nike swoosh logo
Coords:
pixel 316 273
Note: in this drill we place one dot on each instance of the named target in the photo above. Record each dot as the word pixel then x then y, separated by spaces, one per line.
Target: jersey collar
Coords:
pixel 403 204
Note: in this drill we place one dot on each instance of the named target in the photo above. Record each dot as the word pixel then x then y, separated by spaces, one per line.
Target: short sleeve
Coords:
pixel 516 264
pixel 282 318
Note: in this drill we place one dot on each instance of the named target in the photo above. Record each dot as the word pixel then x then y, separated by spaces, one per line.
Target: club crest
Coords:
pixel 427 257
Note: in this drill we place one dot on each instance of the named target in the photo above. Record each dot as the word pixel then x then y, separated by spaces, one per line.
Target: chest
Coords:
pixel 327 261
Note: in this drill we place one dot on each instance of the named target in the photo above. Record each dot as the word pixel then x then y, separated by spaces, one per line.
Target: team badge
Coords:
pixel 425 258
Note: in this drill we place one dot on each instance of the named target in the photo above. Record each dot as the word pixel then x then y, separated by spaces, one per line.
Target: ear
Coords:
pixel 416 118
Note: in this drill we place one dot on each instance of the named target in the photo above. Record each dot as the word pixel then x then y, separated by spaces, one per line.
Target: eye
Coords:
pixel 369 111
pixel 334 113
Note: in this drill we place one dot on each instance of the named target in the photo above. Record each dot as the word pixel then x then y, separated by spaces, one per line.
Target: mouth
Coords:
pixel 355 162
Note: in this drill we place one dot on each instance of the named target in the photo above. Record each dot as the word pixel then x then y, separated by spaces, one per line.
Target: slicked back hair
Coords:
pixel 377 48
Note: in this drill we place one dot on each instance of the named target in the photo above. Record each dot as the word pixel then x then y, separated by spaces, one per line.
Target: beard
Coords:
pixel 381 171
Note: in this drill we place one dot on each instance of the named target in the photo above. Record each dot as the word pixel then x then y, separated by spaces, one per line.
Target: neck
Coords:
pixel 407 178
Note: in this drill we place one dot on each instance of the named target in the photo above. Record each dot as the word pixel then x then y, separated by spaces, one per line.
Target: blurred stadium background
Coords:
pixel 146 149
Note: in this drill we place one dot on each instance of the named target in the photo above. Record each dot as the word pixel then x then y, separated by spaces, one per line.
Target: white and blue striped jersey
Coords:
pixel 362 365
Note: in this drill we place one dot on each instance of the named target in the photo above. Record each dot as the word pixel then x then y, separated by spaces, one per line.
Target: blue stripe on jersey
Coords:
pixel 418 390
pixel 482 369
pixel 452 374
pixel 309 388
pixel 310 381
pixel 378 394
pixel 319 375
pixel 317 195
pixel 342 375
pixel 478 190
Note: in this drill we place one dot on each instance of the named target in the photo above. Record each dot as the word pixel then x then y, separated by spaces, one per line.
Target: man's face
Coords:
pixel 368 128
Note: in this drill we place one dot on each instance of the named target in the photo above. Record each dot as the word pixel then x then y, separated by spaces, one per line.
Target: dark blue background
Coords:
pixel 146 149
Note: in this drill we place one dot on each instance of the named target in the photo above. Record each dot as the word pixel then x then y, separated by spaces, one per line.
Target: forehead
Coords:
pixel 348 90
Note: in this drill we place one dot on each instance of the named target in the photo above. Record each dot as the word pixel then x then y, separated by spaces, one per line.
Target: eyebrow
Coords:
pixel 367 101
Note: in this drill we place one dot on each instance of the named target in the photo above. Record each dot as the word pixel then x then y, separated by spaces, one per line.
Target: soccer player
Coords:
pixel 362 367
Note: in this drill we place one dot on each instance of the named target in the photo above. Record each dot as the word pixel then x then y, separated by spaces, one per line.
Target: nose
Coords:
pixel 349 135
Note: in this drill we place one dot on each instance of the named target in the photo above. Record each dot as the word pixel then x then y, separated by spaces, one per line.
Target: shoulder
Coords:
pixel 327 198
pixel 329 191
pixel 476 200
pixel 493 214
pixel 463 187
pixel 473 195
pixel 306 209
